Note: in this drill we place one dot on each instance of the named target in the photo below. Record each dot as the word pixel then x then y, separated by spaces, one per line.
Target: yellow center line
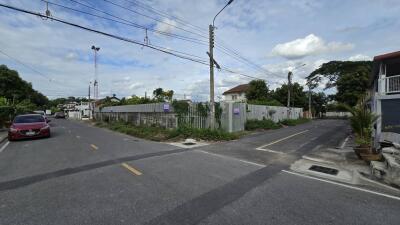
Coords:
pixel 94 147
pixel 131 169
pixel 282 139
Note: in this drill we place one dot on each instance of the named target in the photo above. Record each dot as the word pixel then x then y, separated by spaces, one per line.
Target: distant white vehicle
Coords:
pixel 48 112
pixel 40 112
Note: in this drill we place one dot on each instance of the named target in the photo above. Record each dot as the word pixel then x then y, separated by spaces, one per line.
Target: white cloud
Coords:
pixel 310 45
pixel 71 56
pixel 166 25
pixel 360 57
pixel 136 85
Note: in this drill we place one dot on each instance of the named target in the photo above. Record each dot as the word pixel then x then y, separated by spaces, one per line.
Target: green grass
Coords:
pixel 292 122
pixel 264 124
pixel 162 134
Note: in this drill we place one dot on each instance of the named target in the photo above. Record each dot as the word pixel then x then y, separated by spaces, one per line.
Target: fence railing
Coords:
pixel 390 84
pixel 231 117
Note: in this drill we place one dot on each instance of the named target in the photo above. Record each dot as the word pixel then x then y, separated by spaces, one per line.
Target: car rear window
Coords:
pixel 29 119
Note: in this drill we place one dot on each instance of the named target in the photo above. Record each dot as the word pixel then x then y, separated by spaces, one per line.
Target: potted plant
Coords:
pixel 361 122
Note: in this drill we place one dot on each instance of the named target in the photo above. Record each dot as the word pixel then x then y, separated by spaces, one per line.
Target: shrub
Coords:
pixel 261 124
pixel 294 122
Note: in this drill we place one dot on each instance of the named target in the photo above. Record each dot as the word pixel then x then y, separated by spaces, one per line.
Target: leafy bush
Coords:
pixel 162 134
pixel 269 102
pixel 203 134
pixel 294 122
pixel 261 124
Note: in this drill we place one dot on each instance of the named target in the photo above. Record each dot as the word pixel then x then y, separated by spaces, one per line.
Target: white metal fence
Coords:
pixel 231 117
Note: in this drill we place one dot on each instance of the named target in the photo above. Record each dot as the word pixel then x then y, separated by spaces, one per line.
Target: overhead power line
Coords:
pixel 156 48
pixel 222 47
pixel 27 66
pixel 166 15
pixel 153 18
pixel 123 21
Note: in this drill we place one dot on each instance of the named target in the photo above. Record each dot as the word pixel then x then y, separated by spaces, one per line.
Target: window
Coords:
pixel 234 97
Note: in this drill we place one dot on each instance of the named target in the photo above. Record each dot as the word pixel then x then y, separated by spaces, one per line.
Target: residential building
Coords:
pixel 385 96
pixel 236 94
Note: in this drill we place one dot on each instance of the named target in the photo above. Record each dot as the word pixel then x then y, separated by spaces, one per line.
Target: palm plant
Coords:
pixel 362 121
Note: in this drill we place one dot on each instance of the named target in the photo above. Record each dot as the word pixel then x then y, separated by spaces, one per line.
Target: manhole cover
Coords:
pixel 323 169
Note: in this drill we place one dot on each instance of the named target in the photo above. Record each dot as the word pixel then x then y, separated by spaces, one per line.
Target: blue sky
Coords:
pixel 277 35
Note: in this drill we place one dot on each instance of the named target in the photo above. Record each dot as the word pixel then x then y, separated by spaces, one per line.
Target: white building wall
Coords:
pixel 240 97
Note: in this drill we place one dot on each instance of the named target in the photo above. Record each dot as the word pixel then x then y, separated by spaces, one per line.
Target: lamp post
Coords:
pixel 211 54
pixel 95 84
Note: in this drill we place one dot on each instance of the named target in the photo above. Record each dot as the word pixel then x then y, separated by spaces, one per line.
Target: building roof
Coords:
pixel 238 89
pixel 392 57
pixel 387 56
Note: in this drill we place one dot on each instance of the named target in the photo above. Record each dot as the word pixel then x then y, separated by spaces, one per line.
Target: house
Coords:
pixel 385 96
pixel 236 94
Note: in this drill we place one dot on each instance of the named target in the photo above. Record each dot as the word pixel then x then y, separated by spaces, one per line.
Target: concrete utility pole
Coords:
pixel 289 76
pixel 290 89
pixel 211 54
pixel 212 121
pixel 309 101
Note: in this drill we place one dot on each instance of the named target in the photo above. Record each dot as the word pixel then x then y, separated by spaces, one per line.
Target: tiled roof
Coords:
pixel 238 89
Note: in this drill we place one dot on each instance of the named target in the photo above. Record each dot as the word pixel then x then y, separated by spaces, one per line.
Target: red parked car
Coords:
pixel 28 126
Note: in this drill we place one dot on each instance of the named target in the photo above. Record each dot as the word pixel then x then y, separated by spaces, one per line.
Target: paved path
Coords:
pixel 87 175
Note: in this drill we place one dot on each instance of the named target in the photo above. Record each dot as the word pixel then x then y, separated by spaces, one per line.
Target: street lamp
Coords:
pixel 211 54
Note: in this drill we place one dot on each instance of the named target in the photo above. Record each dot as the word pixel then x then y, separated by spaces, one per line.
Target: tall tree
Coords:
pixel 350 78
pixel 258 90
pixel 298 96
pixel 16 89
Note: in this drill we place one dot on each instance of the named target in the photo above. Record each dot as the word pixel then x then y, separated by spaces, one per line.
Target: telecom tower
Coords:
pixel 95 83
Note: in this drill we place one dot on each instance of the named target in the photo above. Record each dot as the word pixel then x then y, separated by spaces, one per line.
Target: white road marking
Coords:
pixel 77 136
pixel 4 146
pixel 269 150
pixel 232 158
pixel 344 142
pixel 343 185
pixel 282 139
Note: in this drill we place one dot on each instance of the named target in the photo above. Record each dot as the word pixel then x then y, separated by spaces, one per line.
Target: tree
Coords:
pixel 350 78
pixel 15 89
pixel 161 96
pixel 318 102
pixel 258 90
pixel 298 96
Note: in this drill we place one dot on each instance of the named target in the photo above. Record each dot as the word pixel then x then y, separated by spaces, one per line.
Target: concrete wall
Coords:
pixel 275 113
pixel 337 114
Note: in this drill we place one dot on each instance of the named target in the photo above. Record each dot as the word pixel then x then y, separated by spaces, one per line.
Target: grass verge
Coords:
pixel 265 124
pixel 291 122
pixel 162 134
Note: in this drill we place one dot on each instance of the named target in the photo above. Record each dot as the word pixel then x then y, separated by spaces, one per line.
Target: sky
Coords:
pixel 274 37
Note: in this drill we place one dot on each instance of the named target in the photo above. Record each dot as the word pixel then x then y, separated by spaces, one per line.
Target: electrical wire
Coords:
pixel 156 48
pixel 152 18
pixel 27 66
pixel 126 22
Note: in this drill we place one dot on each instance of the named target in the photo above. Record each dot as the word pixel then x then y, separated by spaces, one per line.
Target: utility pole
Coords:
pixel 212 121
pixel 288 99
pixel 309 101
pixel 211 54
pixel 90 111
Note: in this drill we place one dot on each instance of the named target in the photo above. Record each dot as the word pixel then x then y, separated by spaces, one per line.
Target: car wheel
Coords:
pixel 10 139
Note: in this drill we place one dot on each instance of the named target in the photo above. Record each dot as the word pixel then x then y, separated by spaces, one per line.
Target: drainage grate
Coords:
pixel 323 169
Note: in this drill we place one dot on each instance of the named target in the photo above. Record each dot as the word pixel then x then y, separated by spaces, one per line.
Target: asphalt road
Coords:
pixel 88 175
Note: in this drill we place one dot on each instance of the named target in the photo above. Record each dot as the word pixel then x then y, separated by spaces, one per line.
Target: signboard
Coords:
pixel 166 107
pixel 236 111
